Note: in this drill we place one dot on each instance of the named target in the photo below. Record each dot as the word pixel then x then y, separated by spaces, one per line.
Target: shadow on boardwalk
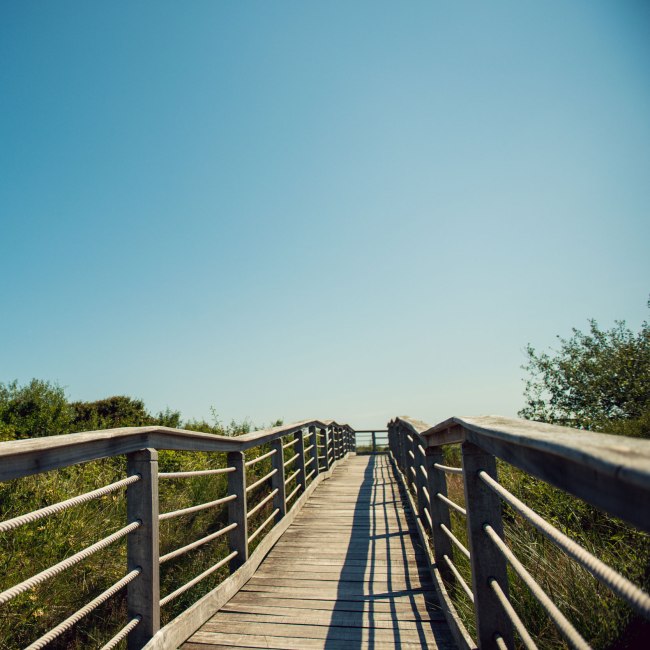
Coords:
pixel 347 574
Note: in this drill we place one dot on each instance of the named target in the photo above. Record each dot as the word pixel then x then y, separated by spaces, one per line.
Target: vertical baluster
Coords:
pixel 300 461
pixel 143 594
pixel 238 537
pixel 484 507
pixel 277 480
pixel 439 511
pixel 313 441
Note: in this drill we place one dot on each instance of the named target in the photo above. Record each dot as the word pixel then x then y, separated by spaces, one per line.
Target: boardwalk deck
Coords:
pixel 348 573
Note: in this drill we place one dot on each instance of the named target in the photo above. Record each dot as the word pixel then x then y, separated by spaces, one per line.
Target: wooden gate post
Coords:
pixel 238 537
pixel 277 480
pixel 142 546
pixel 484 507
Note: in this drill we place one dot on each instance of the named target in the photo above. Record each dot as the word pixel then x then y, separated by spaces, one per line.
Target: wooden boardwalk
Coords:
pixel 348 573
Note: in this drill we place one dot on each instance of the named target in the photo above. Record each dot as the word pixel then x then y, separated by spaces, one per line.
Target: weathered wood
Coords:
pixel 457 628
pixel 344 598
pixel 277 480
pixel 237 509
pixel 301 479
pixel 143 594
pixel 25 457
pixel 487 562
pixel 180 628
pixel 439 511
pixel 313 441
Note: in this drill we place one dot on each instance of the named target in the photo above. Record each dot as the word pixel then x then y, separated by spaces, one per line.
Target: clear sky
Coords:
pixel 346 210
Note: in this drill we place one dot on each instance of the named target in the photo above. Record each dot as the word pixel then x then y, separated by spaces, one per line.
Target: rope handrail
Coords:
pixel 197 508
pixel 84 611
pixel 122 634
pixel 199 542
pixel 66 564
pixel 47 511
pixel 199 472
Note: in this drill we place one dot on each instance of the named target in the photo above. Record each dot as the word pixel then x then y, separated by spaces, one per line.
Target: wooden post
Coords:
pixel 301 479
pixel 328 433
pixel 313 437
pixel 484 507
pixel 238 537
pixel 142 547
pixel 439 511
pixel 277 480
pixel 374 442
pixel 419 477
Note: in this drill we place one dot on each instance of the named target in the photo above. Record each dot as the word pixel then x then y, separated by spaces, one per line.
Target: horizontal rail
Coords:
pixel 263 525
pixel 199 472
pixel 262 503
pixel 199 542
pixel 447 469
pixel 257 459
pixel 84 611
pixel 35 455
pixel 30 517
pixel 252 486
pixel 451 503
pixel 291 477
pixel 291 443
pixel 122 634
pixel 526 639
pixel 201 506
pixel 288 462
pixel 463 549
pixel 201 576
pixel 293 494
pixel 67 563
pixel 461 580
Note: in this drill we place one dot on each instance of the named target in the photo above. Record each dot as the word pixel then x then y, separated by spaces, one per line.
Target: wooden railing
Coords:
pixel 609 472
pixel 371 441
pixel 318 447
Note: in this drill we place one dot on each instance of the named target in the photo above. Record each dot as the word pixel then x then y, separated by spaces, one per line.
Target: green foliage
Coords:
pixel 41 408
pixel 599 381
pixel 37 409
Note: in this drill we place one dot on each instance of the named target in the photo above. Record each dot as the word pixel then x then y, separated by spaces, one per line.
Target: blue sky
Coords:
pixel 328 209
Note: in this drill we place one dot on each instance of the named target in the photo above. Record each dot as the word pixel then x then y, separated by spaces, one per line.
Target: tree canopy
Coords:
pixel 599 380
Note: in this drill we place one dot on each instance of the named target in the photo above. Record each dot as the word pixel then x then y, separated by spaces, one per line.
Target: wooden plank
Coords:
pixel 180 628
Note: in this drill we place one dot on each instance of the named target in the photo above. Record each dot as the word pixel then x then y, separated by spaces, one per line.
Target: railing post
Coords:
pixel 328 434
pixel 238 537
pixel 277 480
pixel 300 450
pixel 439 511
pixel 374 442
pixel 143 594
pixel 419 476
pixel 484 507
pixel 313 438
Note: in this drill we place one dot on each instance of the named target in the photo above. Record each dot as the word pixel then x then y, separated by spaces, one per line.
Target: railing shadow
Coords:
pixel 384 584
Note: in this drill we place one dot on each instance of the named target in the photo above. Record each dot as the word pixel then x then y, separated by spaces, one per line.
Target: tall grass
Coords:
pixel 602 618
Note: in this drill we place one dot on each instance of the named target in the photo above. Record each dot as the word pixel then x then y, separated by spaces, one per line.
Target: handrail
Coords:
pixel 610 472
pixel 140 445
pixel 35 455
